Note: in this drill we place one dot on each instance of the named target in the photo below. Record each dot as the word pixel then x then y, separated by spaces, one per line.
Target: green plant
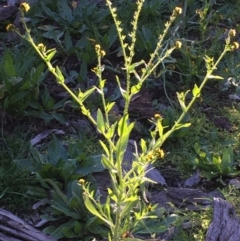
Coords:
pixel 14 179
pixel 19 83
pixel 84 21
pixel 213 164
pixel 58 170
pixel 124 210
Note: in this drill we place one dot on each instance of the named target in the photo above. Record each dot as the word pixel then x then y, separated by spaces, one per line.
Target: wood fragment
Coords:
pixel 12 228
pixel 225 225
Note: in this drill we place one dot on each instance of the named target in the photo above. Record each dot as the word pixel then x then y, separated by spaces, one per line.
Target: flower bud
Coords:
pixel 25 7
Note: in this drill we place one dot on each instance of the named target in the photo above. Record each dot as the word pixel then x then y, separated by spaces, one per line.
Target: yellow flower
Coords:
pixel 81 181
pixel 10 27
pixel 235 45
pixel 178 44
pixel 177 11
pixel 150 156
pixel 41 47
pixel 25 7
pixel 97 48
pixel 157 116
pixel 159 153
pixel 232 33
pixel 103 53
pixel 99 51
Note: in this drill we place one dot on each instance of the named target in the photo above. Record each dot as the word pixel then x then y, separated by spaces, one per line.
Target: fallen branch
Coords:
pixel 12 228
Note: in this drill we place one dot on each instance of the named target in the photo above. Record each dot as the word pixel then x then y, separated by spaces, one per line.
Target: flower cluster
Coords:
pixel 99 51
pixel 155 154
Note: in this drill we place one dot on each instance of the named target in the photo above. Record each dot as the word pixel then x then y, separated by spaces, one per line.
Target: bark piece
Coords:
pixel 186 198
pixel 225 225
pixel 16 229
pixel 193 180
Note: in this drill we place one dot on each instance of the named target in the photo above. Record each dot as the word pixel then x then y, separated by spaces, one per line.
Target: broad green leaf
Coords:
pixel 59 117
pixel 56 151
pixel 68 41
pixel 49 104
pixel 66 211
pixel 50 13
pixel 38 75
pixel 65 11
pixel 78 227
pixel 17 97
pixel 56 188
pixel 9 65
pixel 69 168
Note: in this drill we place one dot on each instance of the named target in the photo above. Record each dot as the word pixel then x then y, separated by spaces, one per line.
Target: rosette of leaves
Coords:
pixel 19 80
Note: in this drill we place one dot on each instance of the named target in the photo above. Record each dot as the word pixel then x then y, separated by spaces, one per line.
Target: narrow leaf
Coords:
pixel 94 211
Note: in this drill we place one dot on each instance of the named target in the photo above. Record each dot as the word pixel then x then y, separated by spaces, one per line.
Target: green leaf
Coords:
pixel 132 67
pixel 38 75
pixel 83 71
pixel 100 122
pixel 104 147
pixel 124 131
pixel 9 65
pixel 68 41
pixel 143 145
pixel 84 95
pixel 60 77
pixel 111 131
pixel 108 164
pixel 136 88
pixel 51 54
pixel 17 97
pixel 78 227
pixel 68 170
pixel 56 188
pixel 109 106
pixel 215 77
pixel 196 91
pixel 94 211
pixel 112 195
pixel 65 11
pixel 181 99
pixel 179 126
pixel 56 151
